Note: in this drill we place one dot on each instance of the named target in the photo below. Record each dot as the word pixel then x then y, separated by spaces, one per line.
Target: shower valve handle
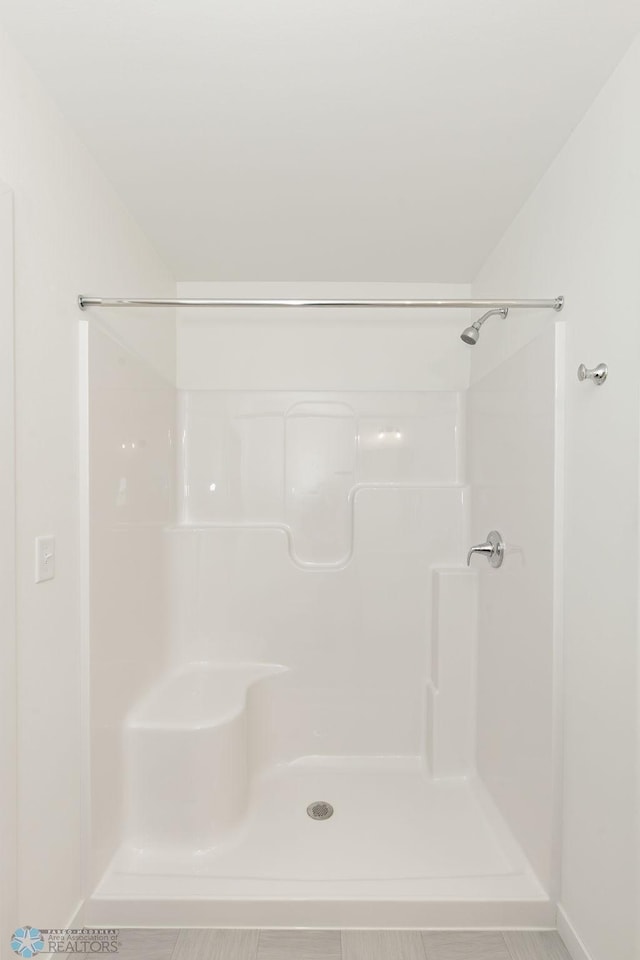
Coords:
pixel 492 549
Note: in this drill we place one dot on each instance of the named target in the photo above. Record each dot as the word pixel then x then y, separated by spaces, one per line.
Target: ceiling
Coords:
pixel 323 139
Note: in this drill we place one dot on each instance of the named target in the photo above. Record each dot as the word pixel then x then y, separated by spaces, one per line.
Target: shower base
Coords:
pixel 401 850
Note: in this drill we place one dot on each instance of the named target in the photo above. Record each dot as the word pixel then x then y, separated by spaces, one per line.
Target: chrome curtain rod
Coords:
pixel 556 303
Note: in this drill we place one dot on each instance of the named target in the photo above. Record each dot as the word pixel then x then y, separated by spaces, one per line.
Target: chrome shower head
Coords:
pixel 471 334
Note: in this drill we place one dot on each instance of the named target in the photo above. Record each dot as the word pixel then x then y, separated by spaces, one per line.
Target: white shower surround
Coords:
pixel 316 634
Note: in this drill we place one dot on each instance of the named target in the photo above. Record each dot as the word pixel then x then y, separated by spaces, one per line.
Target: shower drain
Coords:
pixel 320 810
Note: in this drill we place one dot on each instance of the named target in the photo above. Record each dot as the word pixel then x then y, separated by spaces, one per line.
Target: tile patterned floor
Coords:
pixel 337 945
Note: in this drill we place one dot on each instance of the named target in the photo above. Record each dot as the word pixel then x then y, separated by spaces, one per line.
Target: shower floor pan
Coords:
pixel 400 850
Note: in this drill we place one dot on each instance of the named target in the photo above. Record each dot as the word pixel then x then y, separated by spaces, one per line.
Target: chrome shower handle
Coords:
pixel 492 549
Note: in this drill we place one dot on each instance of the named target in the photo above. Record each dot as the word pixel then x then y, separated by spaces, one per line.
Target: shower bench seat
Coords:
pixel 200 695
pixel 187 746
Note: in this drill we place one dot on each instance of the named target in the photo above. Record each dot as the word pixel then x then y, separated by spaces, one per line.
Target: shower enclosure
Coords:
pixel 303 706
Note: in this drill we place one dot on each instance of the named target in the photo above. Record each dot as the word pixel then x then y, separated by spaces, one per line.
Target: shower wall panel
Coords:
pixel 132 498
pixel 310 526
pixel 268 456
pixel 322 349
pixel 513 416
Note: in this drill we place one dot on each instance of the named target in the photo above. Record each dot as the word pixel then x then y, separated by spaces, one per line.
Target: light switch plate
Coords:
pixel 45 558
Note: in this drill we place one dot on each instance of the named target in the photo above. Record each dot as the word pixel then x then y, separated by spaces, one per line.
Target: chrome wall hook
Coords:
pixel 599 374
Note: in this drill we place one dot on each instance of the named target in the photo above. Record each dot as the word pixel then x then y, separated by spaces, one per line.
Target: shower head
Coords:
pixel 471 334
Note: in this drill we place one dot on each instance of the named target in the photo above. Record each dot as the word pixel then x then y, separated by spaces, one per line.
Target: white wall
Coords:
pixel 72 235
pixel 131 444
pixel 578 234
pixel 310 525
pixel 511 414
pixel 8 728
pixel 322 349
pixel 289 418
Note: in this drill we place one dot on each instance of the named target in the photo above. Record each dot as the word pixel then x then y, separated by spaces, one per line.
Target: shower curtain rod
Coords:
pixel 556 303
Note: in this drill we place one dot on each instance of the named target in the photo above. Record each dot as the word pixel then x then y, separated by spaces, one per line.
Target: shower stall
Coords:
pixel 303 705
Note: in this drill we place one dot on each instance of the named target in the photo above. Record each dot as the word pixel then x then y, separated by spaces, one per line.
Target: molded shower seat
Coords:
pixel 200 695
pixel 187 754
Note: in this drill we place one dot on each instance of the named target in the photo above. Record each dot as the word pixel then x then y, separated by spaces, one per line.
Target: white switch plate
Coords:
pixel 45 558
